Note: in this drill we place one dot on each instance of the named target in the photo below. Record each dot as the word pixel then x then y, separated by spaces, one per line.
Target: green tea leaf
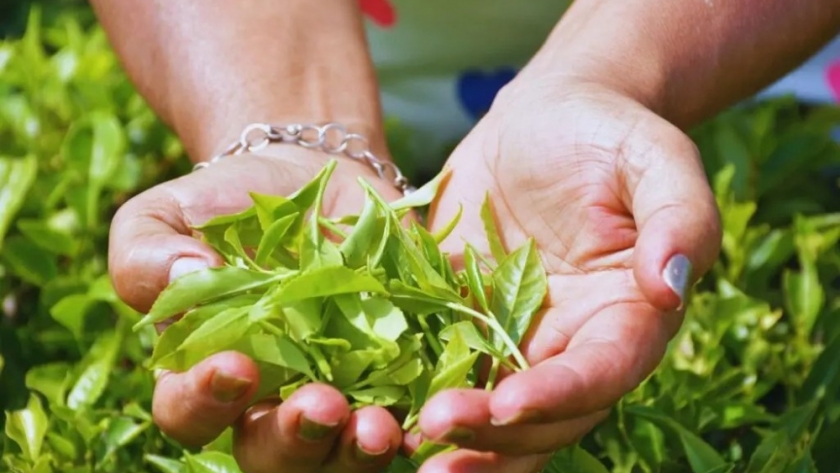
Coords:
pixel 408 348
pixel 315 251
pixel 28 261
pixel 62 446
pixel 165 465
pixel 475 281
pixel 51 379
pixel 277 350
pixel 376 317
pixel 213 336
pixel 70 312
pixel 231 237
pixel 27 427
pixel 357 246
pixel 407 257
pixel 120 432
pixel 803 464
pixel 780 447
pixel 222 222
pixel 378 396
pixel 428 449
pixel 271 208
pixel 307 196
pixel 519 287
pixel 823 382
pixel 430 250
pixel 574 459
pixel 48 238
pixel 349 366
pixel 411 299
pixel 98 367
pixel 701 456
pixel 327 281
pixel 273 237
pixel 16 178
pixel 447 229
pixel 804 296
pixel 497 249
pixel 175 334
pixel 210 462
pixel 402 464
pixel 470 334
pixel 454 365
pixel 424 195
pixel 303 318
pixel 107 148
pixel 347 329
pixel 407 372
pixel 217 233
pixel 204 286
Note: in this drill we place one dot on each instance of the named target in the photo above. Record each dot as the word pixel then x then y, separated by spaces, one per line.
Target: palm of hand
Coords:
pixel 569 176
pixel 152 233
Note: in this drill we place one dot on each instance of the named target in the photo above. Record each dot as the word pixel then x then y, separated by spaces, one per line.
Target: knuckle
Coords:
pixel 171 424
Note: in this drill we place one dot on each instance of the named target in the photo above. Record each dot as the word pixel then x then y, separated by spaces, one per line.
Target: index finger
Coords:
pixel 606 358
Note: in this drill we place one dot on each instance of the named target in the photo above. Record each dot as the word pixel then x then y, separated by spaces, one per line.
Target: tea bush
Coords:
pixel 750 384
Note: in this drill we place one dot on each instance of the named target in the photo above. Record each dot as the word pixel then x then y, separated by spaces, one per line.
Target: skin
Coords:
pixel 584 151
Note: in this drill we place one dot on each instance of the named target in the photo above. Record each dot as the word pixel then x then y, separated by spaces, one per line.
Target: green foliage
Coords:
pixel 75 142
pixel 365 312
pixel 750 384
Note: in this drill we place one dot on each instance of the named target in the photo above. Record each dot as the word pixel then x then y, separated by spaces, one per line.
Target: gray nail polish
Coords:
pixel 677 274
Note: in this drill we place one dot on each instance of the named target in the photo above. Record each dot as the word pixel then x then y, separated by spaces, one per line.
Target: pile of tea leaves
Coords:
pixel 367 303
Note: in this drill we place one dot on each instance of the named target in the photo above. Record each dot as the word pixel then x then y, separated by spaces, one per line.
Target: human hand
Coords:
pixel 152 243
pixel 618 203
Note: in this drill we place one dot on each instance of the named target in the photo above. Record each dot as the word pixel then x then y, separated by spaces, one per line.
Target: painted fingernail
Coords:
pixel 364 456
pixel 185 265
pixel 228 388
pixel 312 431
pixel 458 435
pixel 676 274
pixel 518 418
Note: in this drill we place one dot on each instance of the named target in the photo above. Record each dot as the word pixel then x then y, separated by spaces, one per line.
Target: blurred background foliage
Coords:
pixel 751 383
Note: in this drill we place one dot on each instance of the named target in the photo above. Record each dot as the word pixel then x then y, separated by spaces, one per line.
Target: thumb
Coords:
pixel 150 244
pixel 151 240
pixel 678 222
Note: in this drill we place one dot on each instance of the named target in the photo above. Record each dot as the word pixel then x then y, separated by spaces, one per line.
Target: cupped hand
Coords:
pixel 619 206
pixel 151 243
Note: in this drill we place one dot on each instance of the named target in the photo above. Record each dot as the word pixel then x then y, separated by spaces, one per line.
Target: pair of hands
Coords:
pixel 618 203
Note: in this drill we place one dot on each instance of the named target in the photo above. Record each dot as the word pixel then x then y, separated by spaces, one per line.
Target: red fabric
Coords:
pixel 381 12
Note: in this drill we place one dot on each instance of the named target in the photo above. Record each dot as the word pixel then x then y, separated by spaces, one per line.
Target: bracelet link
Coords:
pixel 257 136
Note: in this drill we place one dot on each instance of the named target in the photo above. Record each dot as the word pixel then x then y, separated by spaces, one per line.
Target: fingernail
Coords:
pixel 676 275
pixel 188 264
pixel 518 418
pixel 458 435
pixel 313 431
pixel 365 456
pixel 228 388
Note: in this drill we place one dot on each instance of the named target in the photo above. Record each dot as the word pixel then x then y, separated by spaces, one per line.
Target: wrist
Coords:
pixel 619 48
pixel 304 98
pixel 214 141
pixel 314 141
pixel 643 79
pixel 211 68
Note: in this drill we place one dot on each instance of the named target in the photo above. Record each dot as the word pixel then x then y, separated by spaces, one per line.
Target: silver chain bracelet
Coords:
pixel 331 138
